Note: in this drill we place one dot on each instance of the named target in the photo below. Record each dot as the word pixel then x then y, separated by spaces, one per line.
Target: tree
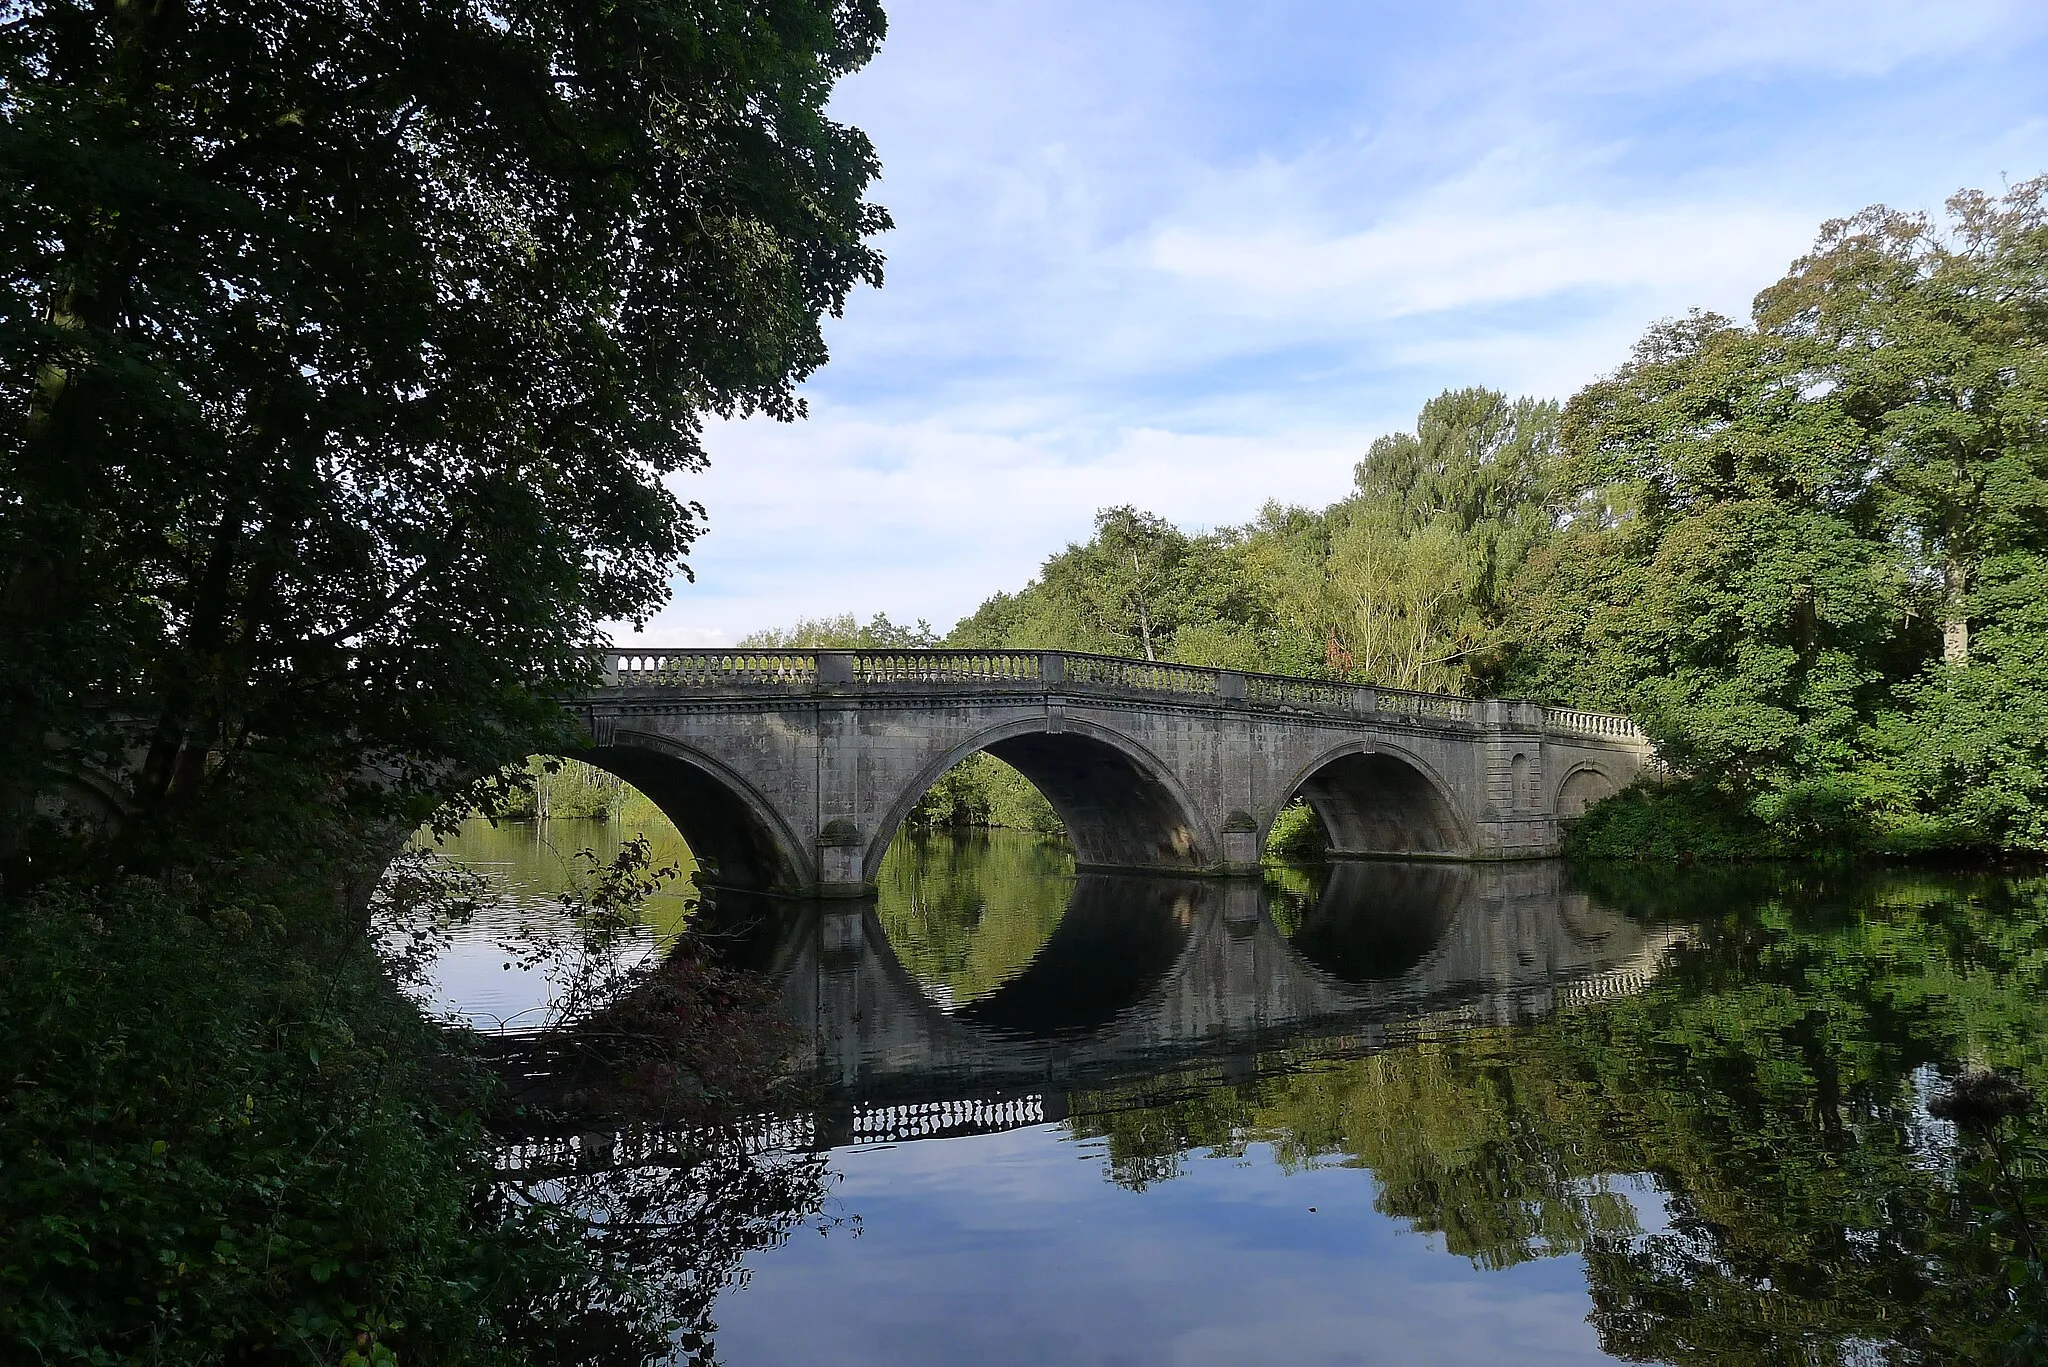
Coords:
pixel 1936 337
pixel 1146 544
pixel 1933 339
pixel 844 632
pixel 1811 554
pixel 348 349
pixel 1751 633
pixel 1421 556
pixel 1120 592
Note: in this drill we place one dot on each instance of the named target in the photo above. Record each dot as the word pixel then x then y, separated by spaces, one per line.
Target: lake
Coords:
pixel 1364 1113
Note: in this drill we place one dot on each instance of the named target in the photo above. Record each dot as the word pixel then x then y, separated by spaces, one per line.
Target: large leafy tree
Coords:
pixel 1932 337
pixel 1936 338
pixel 1743 611
pixel 1812 552
pixel 349 350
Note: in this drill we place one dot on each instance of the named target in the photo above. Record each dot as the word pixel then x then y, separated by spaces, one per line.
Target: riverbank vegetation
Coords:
pixel 347 352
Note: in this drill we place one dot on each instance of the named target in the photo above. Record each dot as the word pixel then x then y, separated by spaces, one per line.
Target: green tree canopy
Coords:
pixel 1404 583
pixel 1811 553
pixel 350 350
pixel 844 632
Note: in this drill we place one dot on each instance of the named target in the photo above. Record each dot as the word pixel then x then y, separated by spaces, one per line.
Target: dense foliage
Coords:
pixel 346 350
pixel 347 354
pixel 1808 553
pixel 228 1138
pixel 220 1146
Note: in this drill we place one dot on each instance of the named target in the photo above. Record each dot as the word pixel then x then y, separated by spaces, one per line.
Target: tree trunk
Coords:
pixel 1955 627
pixel 1144 617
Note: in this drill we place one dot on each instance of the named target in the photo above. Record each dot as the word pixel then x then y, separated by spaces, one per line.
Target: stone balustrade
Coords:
pixel 1066 672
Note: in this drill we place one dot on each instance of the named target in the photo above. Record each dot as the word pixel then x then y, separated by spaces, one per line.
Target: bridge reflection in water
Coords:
pixel 1148 975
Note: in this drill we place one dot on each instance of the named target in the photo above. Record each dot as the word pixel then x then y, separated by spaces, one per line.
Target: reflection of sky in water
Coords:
pixel 1011 1248
pixel 506 966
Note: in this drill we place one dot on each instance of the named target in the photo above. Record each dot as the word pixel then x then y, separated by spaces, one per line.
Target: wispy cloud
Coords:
pixel 1192 256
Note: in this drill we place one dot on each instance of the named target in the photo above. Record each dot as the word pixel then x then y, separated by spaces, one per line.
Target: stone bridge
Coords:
pixel 789 771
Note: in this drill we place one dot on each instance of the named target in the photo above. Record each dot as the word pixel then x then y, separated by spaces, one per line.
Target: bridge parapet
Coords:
pixel 1571 721
pixel 761 671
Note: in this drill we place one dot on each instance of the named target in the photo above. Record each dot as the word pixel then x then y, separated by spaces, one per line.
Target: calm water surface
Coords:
pixel 1377 1113
pixel 505 968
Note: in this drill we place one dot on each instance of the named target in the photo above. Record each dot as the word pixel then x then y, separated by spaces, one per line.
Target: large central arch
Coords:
pixel 734 831
pixel 1122 807
pixel 1375 800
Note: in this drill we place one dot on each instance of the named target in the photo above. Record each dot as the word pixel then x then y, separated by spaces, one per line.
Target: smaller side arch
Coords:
pixel 1122 806
pixel 1584 784
pixel 1376 799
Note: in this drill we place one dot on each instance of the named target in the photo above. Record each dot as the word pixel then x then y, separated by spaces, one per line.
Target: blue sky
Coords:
pixel 1195 256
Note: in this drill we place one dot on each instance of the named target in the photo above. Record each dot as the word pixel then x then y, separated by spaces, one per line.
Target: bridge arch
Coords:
pixel 1584 784
pixel 1122 806
pixel 735 832
pixel 1374 798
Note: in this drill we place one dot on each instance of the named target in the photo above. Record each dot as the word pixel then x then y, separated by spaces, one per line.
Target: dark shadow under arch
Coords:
pixel 1122 808
pixel 1376 802
pixel 1116 940
pixel 1377 922
pixel 731 829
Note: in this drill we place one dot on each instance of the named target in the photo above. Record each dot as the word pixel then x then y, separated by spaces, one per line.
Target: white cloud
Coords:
pixel 1436 259
pixel 926 519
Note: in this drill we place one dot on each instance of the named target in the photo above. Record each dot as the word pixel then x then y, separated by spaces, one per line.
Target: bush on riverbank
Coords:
pixel 1694 821
pixel 1297 833
pixel 1679 821
pixel 228 1138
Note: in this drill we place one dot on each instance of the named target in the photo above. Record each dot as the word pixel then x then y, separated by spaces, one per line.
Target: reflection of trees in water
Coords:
pixel 1766 1099
pixel 671 1229
pixel 637 1125
pixel 965 915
